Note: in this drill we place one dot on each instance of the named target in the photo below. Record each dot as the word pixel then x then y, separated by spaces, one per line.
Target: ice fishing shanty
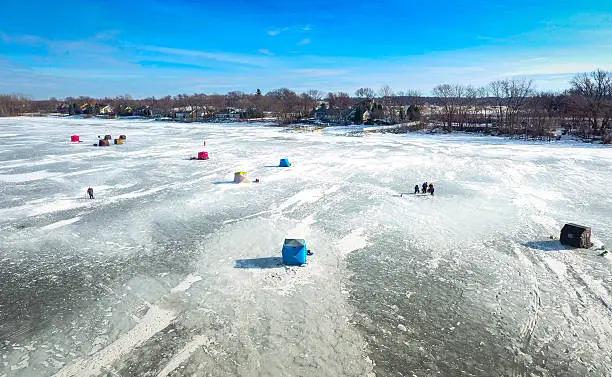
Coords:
pixel 240 177
pixel 576 236
pixel 294 252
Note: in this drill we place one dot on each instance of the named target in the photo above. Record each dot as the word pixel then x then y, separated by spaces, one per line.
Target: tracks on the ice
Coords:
pixel 534 313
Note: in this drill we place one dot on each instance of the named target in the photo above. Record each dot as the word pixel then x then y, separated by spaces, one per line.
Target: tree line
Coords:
pixel 509 106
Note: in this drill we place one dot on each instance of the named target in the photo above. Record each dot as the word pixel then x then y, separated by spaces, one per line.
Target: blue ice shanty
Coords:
pixel 284 163
pixel 294 252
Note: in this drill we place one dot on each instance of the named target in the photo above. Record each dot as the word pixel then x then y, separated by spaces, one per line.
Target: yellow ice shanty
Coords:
pixel 240 177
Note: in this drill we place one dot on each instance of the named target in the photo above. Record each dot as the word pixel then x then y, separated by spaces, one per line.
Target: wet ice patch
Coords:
pixel 59 224
pixel 303 197
pixel 155 320
pixel 26 177
pixel 200 341
pixel 545 221
pixel 286 280
pixel 556 266
pixel 302 228
pixel 186 283
pixel 353 241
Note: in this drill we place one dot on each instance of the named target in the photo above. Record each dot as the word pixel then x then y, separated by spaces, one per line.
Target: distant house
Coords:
pixel 320 113
pixel 143 111
pixel 229 114
pixel 557 132
pixel 63 108
pixel 367 115
pixel 106 110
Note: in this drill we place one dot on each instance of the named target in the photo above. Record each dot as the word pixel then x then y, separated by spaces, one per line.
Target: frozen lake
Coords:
pixel 173 271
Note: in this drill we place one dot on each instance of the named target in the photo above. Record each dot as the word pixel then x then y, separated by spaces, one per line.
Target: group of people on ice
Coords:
pixel 425 189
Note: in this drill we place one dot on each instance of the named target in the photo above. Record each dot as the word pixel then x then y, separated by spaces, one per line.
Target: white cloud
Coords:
pixel 265 51
pixel 253 60
pixel 275 32
pixel 320 72
pixel 29 40
pixel 306 28
pixel 304 41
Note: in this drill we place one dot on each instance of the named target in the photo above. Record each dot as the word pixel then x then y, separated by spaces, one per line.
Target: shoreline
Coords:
pixel 313 126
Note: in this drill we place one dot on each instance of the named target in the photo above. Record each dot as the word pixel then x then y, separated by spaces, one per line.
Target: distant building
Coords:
pixel 143 111
pixel 320 113
pixel 106 110
pixel 229 114
pixel 557 132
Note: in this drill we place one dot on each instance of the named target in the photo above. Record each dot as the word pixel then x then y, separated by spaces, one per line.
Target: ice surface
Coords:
pixel 172 271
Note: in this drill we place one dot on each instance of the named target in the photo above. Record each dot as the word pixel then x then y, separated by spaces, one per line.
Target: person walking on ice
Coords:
pixel 431 189
pixel 90 193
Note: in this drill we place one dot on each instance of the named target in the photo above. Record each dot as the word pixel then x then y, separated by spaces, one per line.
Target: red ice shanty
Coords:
pixel 202 155
pixel 75 139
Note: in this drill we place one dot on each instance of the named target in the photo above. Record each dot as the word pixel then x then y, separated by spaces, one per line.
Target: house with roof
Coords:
pixel 106 110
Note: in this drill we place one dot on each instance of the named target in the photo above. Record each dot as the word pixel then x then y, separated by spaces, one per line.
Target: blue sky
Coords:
pixel 156 48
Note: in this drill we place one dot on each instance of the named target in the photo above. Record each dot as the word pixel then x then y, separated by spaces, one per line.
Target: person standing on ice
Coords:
pixel 431 189
pixel 90 192
pixel 416 189
pixel 424 188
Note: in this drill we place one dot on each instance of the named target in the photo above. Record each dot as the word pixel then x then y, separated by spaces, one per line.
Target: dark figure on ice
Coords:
pixel 416 189
pixel 90 192
pixel 430 189
pixel 424 188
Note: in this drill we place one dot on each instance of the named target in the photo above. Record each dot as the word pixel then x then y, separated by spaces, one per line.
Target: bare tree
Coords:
pixel 469 105
pixel 482 103
pixel 364 93
pixel 385 91
pixel 412 93
pixel 595 89
pixel 450 96
pixel 517 92
pixel 316 95
pixel 312 98
pixel 510 96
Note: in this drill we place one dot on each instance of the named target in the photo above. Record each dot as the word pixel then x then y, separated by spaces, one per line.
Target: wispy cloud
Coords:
pixel 555 68
pixel 304 41
pixel 491 39
pixel 265 51
pixel 319 72
pixel 249 60
pixel 30 40
pixel 107 35
pixel 275 32
pixel 169 65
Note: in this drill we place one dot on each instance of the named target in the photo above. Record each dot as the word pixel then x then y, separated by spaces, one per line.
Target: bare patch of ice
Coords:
pixel 61 223
pixel 155 320
pixel 186 283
